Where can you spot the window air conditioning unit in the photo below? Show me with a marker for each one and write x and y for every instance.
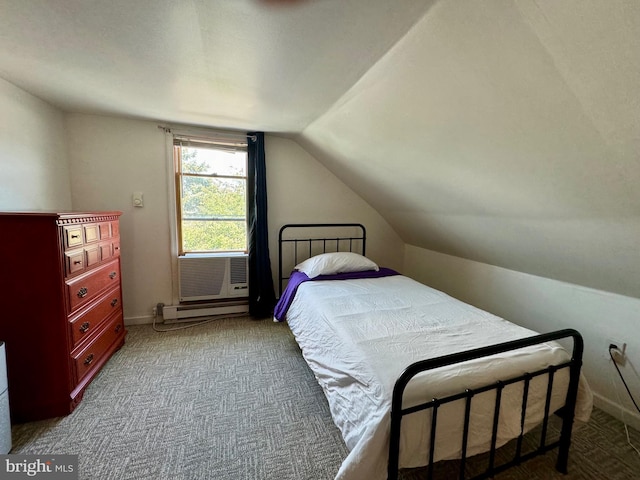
(213, 277)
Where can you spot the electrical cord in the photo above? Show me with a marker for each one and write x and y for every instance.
(181, 327)
(615, 364)
(626, 429)
(195, 323)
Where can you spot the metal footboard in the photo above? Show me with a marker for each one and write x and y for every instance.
(566, 412)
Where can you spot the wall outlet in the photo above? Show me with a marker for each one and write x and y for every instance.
(619, 353)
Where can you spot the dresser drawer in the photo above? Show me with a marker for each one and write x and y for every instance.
(91, 356)
(106, 251)
(92, 255)
(72, 236)
(81, 290)
(105, 230)
(74, 261)
(91, 233)
(85, 323)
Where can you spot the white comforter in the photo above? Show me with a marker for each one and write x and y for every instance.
(359, 335)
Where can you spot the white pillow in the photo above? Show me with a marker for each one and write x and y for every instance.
(335, 262)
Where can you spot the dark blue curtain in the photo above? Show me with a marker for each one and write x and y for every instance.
(262, 296)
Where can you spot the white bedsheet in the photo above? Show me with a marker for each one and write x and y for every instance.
(358, 336)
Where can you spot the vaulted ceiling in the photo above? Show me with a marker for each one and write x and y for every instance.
(502, 131)
(247, 64)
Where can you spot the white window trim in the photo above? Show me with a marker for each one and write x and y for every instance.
(170, 131)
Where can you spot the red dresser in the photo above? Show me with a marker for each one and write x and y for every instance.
(61, 306)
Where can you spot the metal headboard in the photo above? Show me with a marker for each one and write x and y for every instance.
(308, 243)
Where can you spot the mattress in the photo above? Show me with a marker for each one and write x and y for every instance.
(359, 335)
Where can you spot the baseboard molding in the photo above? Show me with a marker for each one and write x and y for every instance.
(190, 312)
(148, 319)
(632, 419)
(141, 320)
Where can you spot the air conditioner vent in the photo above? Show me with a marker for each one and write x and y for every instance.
(212, 278)
(238, 270)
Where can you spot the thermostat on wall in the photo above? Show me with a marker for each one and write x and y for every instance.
(138, 200)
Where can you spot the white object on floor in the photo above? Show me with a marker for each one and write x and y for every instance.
(5, 418)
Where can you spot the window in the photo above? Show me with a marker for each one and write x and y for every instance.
(211, 191)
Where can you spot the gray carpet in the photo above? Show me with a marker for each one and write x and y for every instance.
(234, 399)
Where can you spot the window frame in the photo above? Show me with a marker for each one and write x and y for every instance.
(215, 144)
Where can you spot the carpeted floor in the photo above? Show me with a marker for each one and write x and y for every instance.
(234, 399)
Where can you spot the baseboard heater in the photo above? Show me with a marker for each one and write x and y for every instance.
(190, 313)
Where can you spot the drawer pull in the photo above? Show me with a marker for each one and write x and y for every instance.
(82, 292)
(113, 275)
(77, 262)
(118, 328)
(75, 235)
(84, 327)
(114, 302)
(89, 359)
(116, 248)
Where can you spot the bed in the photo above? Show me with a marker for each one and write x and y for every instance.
(413, 376)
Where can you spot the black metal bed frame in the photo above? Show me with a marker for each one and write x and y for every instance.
(352, 241)
(566, 412)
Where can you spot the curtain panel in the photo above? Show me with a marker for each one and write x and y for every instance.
(262, 296)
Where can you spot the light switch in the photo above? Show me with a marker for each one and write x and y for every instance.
(138, 200)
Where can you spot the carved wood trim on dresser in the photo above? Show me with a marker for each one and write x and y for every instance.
(60, 306)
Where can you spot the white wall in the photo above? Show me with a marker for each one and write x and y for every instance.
(111, 158)
(33, 156)
(53, 161)
(505, 132)
(301, 189)
(545, 305)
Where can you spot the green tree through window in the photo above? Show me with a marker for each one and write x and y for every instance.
(211, 183)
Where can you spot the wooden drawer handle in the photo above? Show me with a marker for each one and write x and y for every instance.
(89, 359)
(113, 275)
(116, 248)
(84, 327)
(75, 235)
(77, 262)
(82, 292)
(114, 302)
(118, 328)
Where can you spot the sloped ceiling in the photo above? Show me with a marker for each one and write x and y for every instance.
(271, 65)
(504, 132)
(501, 131)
